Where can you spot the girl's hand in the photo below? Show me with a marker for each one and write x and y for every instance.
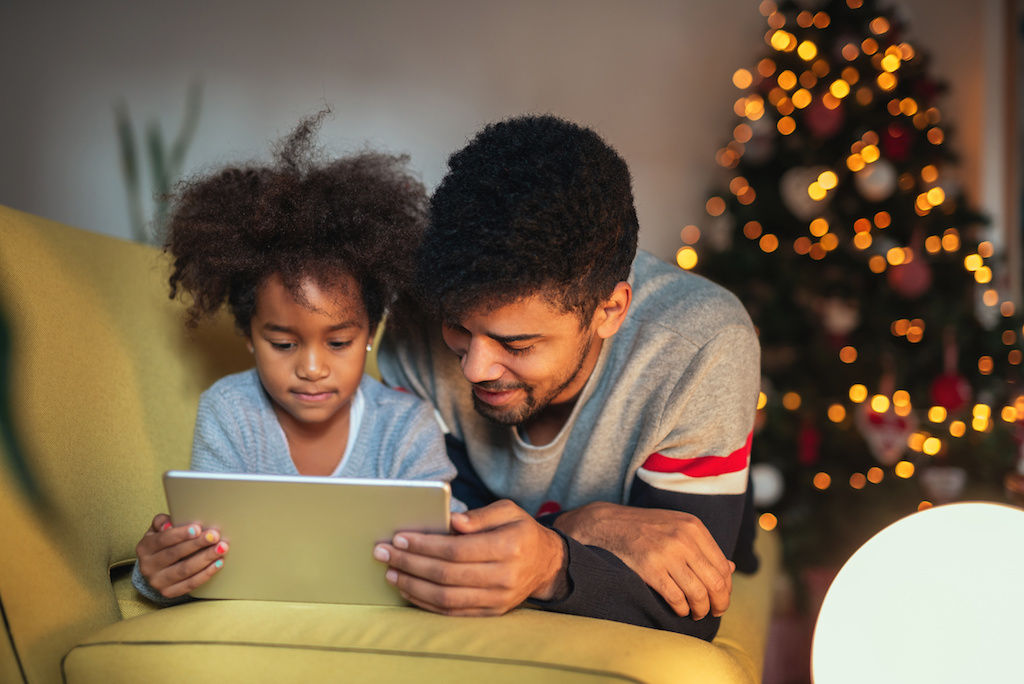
(177, 560)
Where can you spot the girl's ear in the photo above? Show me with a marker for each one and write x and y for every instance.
(248, 344)
(372, 337)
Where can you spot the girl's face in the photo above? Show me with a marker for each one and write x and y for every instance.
(310, 355)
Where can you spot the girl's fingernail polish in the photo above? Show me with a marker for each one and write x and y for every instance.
(192, 531)
(218, 564)
(211, 537)
(221, 548)
(166, 526)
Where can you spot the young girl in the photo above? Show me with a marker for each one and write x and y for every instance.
(307, 256)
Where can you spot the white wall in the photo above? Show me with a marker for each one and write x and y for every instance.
(652, 76)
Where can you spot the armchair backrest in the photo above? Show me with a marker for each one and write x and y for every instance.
(104, 381)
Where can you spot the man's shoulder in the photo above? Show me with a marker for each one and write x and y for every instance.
(668, 300)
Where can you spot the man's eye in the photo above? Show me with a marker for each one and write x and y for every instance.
(519, 351)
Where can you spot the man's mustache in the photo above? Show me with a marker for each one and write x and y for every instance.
(495, 386)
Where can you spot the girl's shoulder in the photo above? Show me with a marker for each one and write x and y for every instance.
(379, 396)
(243, 387)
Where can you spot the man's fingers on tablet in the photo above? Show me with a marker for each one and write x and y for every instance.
(448, 600)
(490, 516)
(428, 567)
(462, 549)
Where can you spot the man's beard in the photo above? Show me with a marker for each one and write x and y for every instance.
(530, 406)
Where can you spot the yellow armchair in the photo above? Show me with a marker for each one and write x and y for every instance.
(104, 382)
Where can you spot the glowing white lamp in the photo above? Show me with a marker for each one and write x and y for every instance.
(935, 597)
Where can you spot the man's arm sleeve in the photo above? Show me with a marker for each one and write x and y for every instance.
(700, 467)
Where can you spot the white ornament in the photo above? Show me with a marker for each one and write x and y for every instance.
(886, 433)
(943, 484)
(876, 181)
(839, 316)
(761, 145)
(793, 187)
(768, 484)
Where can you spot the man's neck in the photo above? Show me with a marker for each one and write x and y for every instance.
(544, 427)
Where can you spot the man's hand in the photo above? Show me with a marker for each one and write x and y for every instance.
(671, 551)
(501, 557)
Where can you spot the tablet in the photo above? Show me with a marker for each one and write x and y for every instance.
(298, 538)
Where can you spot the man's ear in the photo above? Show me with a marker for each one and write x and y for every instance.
(612, 311)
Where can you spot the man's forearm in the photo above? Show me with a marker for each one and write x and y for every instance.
(600, 585)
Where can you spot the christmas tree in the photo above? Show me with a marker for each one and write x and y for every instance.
(891, 361)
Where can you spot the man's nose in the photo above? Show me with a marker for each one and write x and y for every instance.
(479, 364)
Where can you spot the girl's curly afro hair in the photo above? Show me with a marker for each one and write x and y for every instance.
(299, 218)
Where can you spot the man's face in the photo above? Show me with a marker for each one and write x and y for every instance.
(522, 357)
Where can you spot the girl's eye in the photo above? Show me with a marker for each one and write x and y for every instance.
(338, 345)
(282, 346)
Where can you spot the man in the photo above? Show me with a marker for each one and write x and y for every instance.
(606, 393)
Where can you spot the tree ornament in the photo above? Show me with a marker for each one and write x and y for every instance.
(943, 483)
(876, 181)
(822, 121)
(885, 433)
(839, 316)
(761, 145)
(913, 279)
(768, 484)
(793, 187)
(808, 444)
(896, 142)
(950, 390)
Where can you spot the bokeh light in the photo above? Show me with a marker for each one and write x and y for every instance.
(686, 257)
(904, 469)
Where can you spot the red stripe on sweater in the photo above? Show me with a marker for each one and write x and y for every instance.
(702, 466)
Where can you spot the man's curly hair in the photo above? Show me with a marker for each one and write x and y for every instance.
(298, 217)
(532, 205)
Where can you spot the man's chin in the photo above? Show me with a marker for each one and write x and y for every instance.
(503, 415)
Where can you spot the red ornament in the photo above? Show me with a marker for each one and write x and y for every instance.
(912, 280)
(808, 445)
(897, 141)
(822, 121)
(951, 391)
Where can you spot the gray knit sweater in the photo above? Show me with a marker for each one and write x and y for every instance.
(663, 421)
